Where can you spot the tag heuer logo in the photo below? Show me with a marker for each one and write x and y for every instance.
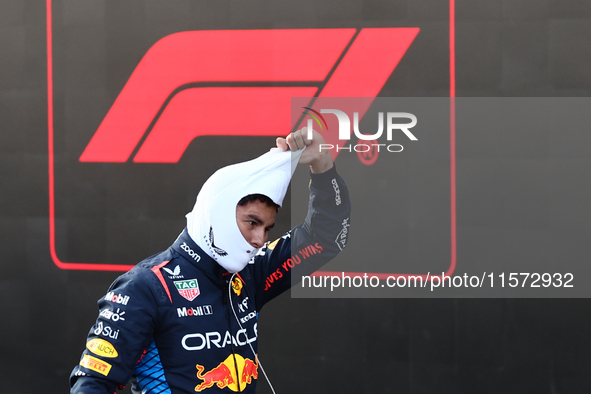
(187, 288)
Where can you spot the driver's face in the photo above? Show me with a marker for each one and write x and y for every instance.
(255, 219)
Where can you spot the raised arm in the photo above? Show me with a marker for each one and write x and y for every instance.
(324, 232)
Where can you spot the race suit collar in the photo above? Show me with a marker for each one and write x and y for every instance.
(187, 248)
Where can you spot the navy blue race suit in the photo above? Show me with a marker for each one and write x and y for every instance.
(179, 323)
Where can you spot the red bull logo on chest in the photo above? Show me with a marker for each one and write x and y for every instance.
(235, 372)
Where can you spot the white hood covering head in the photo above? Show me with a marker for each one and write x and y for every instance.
(212, 222)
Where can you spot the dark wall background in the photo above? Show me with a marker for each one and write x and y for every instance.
(504, 48)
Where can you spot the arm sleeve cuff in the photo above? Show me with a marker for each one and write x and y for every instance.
(323, 181)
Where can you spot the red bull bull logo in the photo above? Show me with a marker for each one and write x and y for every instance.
(249, 371)
(235, 372)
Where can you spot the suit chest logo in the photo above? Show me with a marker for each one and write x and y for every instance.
(189, 289)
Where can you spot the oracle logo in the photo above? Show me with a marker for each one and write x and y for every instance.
(198, 83)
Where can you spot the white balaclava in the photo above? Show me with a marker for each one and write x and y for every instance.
(212, 222)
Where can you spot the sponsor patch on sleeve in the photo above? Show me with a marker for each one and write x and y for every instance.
(95, 364)
(102, 348)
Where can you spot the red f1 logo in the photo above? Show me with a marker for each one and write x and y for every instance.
(236, 83)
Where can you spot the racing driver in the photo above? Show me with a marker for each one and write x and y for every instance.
(185, 320)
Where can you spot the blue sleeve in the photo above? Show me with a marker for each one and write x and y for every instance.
(123, 330)
(308, 246)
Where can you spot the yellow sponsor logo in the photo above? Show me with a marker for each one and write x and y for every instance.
(237, 286)
(102, 348)
(95, 364)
